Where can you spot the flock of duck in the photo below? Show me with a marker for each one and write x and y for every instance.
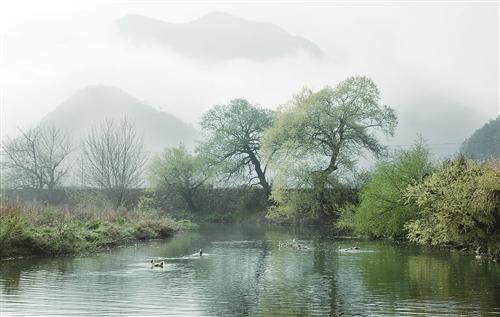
(161, 263)
(292, 244)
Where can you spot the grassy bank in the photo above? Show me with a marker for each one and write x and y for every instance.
(39, 230)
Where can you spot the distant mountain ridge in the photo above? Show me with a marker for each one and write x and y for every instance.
(217, 36)
(484, 143)
(93, 104)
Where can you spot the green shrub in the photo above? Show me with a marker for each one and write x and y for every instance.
(186, 224)
(14, 237)
(384, 209)
(346, 221)
(459, 204)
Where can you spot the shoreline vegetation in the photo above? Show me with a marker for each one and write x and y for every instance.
(294, 165)
(37, 230)
(453, 204)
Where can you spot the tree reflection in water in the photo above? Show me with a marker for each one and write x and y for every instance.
(243, 272)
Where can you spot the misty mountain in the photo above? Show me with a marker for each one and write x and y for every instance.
(217, 36)
(93, 104)
(484, 143)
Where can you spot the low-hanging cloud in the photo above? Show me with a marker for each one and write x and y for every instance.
(436, 65)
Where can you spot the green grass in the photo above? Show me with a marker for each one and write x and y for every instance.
(186, 225)
(38, 230)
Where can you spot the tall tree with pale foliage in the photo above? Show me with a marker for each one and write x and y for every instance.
(317, 133)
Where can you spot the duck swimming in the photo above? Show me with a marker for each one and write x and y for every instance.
(350, 249)
(159, 264)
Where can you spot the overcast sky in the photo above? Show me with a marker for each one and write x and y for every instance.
(435, 63)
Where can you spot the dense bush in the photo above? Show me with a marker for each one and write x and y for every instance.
(458, 204)
(384, 209)
(454, 204)
(305, 205)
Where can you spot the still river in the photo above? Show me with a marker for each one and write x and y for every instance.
(245, 272)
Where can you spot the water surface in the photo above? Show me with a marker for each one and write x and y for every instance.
(244, 272)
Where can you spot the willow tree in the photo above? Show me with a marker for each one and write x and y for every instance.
(317, 133)
(233, 146)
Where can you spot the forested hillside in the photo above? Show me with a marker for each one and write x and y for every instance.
(484, 143)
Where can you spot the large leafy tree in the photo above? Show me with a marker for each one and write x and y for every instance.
(320, 132)
(234, 132)
(178, 172)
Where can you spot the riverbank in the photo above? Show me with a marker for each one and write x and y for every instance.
(43, 231)
(452, 204)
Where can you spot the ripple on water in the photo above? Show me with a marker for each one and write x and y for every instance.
(252, 277)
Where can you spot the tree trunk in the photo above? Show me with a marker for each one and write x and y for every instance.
(189, 201)
(320, 191)
(40, 183)
(320, 180)
(260, 174)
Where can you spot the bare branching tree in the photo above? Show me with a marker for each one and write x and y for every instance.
(114, 158)
(35, 159)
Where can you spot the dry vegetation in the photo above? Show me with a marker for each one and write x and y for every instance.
(43, 230)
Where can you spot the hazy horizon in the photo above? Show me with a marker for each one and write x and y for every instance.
(435, 63)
